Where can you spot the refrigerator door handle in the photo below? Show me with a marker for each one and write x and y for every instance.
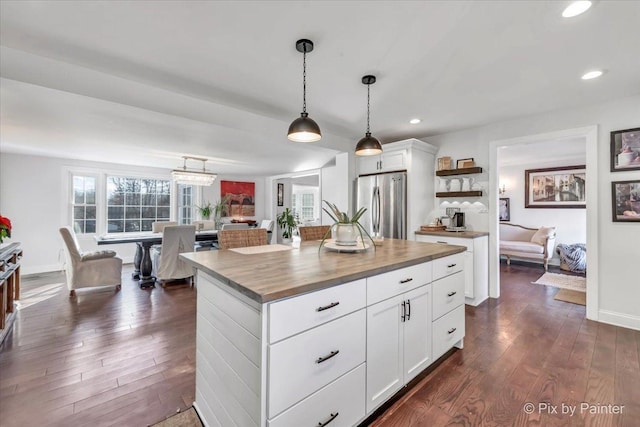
(375, 209)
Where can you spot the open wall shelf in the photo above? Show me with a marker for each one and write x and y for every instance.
(463, 171)
(460, 194)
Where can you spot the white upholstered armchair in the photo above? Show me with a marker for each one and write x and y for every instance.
(89, 269)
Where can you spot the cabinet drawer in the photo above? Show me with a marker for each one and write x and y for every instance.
(293, 315)
(300, 365)
(448, 265)
(387, 285)
(344, 397)
(448, 330)
(448, 293)
(446, 240)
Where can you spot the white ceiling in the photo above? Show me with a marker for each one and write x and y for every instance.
(146, 82)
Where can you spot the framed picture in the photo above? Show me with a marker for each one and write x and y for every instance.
(625, 150)
(240, 198)
(625, 196)
(562, 187)
(465, 163)
(280, 194)
(444, 163)
(504, 211)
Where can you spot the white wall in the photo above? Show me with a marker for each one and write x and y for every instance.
(619, 250)
(571, 224)
(34, 195)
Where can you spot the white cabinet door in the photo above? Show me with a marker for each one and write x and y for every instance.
(469, 269)
(384, 351)
(368, 164)
(393, 160)
(417, 331)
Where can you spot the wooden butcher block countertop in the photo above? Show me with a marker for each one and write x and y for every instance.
(273, 275)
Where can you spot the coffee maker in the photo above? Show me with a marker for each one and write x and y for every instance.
(456, 219)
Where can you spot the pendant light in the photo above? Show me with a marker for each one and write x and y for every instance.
(304, 129)
(187, 177)
(369, 145)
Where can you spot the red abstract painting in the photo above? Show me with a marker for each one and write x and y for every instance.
(240, 198)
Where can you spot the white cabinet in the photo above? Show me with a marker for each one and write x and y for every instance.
(476, 262)
(385, 162)
(398, 343)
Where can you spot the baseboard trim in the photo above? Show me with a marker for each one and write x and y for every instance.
(619, 319)
(40, 269)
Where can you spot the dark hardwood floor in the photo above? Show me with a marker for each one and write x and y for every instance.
(127, 359)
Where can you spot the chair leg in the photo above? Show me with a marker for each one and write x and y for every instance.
(72, 293)
(508, 260)
(118, 287)
(546, 265)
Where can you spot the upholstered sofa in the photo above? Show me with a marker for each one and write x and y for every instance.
(528, 243)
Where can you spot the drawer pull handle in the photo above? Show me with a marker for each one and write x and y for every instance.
(440, 241)
(332, 417)
(451, 265)
(450, 294)
(327, 357)
(327, 307)
(407, 280)
(452, 330)
(404, 311)
(408, 309)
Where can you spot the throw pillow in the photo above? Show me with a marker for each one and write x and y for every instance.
(540, 236)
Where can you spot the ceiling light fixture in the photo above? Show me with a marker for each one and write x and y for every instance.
(369, 145)
(183, 176)
(592, 75)
(414, 121)
(304, 129)
(576, 8)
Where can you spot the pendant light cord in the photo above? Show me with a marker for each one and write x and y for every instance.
(304, 80)
(368, 87)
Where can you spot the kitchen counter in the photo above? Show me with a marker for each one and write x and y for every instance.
(270, 276)
(463, 234)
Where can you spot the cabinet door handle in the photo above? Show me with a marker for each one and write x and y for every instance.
(407, 280)
(440, 241)
(451, 265)
(408, 309)
(327, 357)
(404, 311)
(327, 307)
(332, 417)
(450, 294)
(452, 330)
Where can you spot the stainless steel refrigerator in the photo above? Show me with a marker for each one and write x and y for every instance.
(385, 197)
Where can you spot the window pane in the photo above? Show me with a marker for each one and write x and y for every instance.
(149, 212)
(164, 200)
(115, 227)
(90, 212)
(78, 212)
(90, 226)
(138, 200)
(115, 212)
(132, 212)
(131, 226)
(115, 199)
(90, 190)
(164, 212)
(146, 224)
(78, 196)
(148, 200)
(132, 199)
(78, 226)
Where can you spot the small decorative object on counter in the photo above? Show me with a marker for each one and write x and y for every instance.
(347, 230)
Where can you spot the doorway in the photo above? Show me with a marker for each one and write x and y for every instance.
(588, 136)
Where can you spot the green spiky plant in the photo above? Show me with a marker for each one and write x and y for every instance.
(340, 217)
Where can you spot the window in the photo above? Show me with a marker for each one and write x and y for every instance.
(83, 206)
(133, 204)
(304, 203)
(185, 203)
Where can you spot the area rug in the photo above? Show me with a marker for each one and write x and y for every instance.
(564, 281)
(188, 418)
(574, 297)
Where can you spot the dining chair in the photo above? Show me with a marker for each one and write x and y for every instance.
(89, 269)
(229, 239)
(314, 232)
(158, 226)
(167, 265)
(235, 226)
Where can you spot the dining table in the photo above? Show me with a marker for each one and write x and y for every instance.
(142, 265)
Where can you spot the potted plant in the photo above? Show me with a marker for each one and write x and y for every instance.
(346, 230)
(287, 222)
(205, 210)
(218, 210)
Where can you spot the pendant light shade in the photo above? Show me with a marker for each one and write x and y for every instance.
(304, 129)
(191, 177)
(369, 145)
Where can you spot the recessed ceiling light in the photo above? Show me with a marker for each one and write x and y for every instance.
(592, 75)
(576, 8)
(414, 121)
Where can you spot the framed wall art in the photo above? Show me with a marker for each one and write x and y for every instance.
(504, 210)
(280, 194)
(625, 196)
(562, 187)
(625, 150)
(240, 197)
(465, 163)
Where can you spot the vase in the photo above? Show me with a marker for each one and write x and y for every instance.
(346, 234)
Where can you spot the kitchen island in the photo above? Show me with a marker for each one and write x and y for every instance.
(293, 336)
